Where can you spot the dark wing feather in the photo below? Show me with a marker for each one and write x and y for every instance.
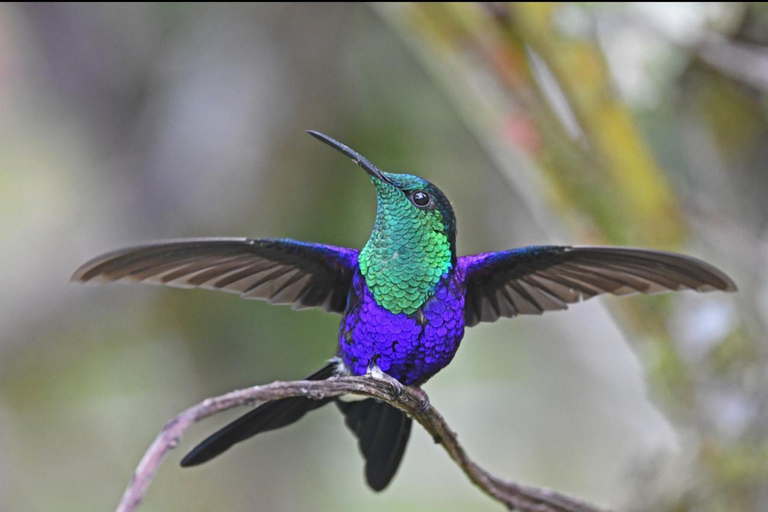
(281, 271)
(535, 279)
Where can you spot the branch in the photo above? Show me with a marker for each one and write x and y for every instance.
(380, 386)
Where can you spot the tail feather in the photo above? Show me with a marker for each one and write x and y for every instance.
(270, 416)
(382, 430)
(383, 433)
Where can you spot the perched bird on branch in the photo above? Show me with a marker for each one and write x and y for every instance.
(405, 298)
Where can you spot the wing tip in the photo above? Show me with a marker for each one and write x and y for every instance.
(730, 284)
(81, 274)
(90, 272)
(76, 277)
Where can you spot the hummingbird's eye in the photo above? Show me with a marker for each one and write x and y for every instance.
(420, 198)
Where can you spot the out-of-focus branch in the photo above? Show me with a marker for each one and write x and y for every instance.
(740, 60)
(411, 400)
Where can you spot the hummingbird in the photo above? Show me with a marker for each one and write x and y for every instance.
(405, 298)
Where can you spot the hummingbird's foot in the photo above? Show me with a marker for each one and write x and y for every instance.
(423, 399)
(397, 388)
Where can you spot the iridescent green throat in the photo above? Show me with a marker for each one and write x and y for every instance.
(408, 253)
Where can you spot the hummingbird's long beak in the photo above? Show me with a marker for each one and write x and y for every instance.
(351, 154)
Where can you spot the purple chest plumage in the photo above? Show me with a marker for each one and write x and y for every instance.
(411, 348)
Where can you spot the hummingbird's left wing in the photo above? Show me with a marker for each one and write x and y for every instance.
(532, 280)
(282, 271)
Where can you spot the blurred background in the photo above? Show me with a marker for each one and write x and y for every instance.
(640, 125)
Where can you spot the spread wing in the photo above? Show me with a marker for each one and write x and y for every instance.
(281, 271)
(531, 280)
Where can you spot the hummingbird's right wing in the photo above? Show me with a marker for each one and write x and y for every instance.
(282, 271)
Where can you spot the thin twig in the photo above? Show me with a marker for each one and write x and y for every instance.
(411, 400)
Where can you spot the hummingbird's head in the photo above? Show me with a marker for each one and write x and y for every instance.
(413, 243)
(404, 200)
